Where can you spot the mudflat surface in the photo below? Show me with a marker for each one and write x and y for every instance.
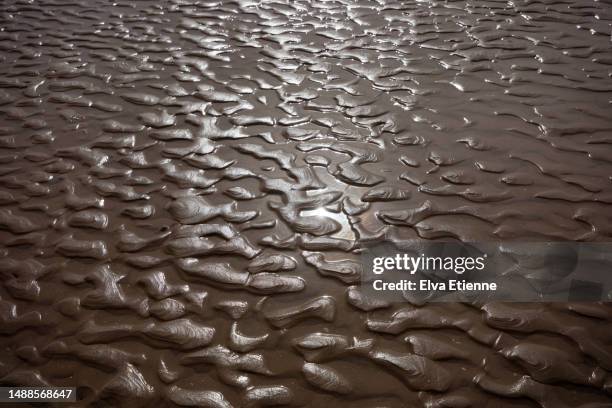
(185, 187)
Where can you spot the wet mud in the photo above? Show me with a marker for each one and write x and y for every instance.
(185, 188)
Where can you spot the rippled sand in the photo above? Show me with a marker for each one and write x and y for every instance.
(185, 187)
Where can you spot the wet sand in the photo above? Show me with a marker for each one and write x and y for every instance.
(185, 189)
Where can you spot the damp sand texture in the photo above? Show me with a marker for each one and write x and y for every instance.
(185, 187)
